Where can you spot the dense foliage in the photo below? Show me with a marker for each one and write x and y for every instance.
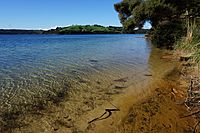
(167, 17)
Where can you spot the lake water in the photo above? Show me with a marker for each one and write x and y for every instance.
(34, 67)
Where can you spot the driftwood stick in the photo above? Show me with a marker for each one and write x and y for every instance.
(114, 106)
(194, 113)
(109, 111)
(195, 128)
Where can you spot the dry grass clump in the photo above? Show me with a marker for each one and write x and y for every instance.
(190, 44)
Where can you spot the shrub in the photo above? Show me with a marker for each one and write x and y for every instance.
(166, 34)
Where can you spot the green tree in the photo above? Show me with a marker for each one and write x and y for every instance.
(166, 17)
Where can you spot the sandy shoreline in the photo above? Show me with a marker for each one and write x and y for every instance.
(159, 110)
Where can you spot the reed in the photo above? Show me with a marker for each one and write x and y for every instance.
(190, 44)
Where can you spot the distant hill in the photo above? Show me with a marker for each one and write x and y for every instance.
(85, 29)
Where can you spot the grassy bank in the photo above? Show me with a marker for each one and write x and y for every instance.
(189, 45)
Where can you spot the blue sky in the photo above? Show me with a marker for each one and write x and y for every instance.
(44, 14)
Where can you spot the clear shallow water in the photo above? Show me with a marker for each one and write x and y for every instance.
(38, 66)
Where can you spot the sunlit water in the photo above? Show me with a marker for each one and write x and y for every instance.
(38, 66)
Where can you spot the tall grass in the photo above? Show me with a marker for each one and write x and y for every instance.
(190, 44)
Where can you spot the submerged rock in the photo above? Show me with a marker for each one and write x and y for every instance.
(94, 61)
(122, 79)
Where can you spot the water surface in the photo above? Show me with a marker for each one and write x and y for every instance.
(38, 66)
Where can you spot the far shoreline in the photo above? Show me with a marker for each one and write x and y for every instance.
(74, 30)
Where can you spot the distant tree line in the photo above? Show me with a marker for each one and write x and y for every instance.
(14, 31)
(78, 29)
(167, 17)
(85, 29)
(94, 29)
